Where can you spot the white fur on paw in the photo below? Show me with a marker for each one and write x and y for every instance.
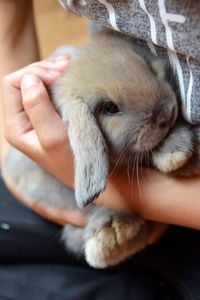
(170, 162)
(113, 244)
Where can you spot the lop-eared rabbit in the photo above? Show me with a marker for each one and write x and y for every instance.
(119, 105)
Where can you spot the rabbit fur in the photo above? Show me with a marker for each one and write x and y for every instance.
(118, 102)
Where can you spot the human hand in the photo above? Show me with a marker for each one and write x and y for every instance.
(33, 127)
(31, 123)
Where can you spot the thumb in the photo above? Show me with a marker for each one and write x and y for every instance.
(43, 116)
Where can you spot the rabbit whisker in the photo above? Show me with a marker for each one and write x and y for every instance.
(124, 152)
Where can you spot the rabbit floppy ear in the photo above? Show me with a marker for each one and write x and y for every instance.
(90, 153)
(159, 67)
(163, 70)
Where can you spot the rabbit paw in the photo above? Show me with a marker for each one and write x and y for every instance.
(115, 242)
(169, 162)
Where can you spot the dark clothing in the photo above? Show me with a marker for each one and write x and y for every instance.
(34, 265)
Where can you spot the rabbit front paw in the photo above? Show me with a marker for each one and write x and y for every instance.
(176, 150)
(170, 162)
(116, 241)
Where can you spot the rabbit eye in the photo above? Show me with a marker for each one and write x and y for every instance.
(110, 108)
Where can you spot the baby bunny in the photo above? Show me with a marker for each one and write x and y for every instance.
(117, 104)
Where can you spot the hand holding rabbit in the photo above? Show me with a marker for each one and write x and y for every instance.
(25, 103)
(11, 90)
(144, 108)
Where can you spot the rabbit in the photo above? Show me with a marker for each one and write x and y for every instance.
(116, 103)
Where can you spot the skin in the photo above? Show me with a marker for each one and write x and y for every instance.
(17, 30)
(160, 198)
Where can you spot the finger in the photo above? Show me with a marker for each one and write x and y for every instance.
(63, 57)
(12, 104)
(57, 63)
(44, 119)
(46, 70)
(16, 121)
(11, 86)
(156, 232)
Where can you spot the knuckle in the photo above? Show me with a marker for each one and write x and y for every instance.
(32, 65)
(36, 65)
(53, 142)
(39, 63)
(48, 142)
(10, 134)
(6, 80)
(32, 99)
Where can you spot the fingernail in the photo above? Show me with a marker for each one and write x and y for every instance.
(29, 80)
(62, 63)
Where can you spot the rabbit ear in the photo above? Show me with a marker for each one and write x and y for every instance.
(163, 70)
(159, 67)
(90, 153)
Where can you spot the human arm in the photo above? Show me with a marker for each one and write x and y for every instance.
(44, 158)
(33, 126)
(18, 41)
(160, 198)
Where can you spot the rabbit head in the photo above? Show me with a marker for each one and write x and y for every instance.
(114, 104)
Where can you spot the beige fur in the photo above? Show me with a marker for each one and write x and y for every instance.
(110, 69)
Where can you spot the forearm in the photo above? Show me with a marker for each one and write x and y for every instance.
(17, 34)
(157, 197)
(18, 42)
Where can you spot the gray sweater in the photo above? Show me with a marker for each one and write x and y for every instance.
(169, 27)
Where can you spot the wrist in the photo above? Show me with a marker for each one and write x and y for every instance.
(122, 194)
